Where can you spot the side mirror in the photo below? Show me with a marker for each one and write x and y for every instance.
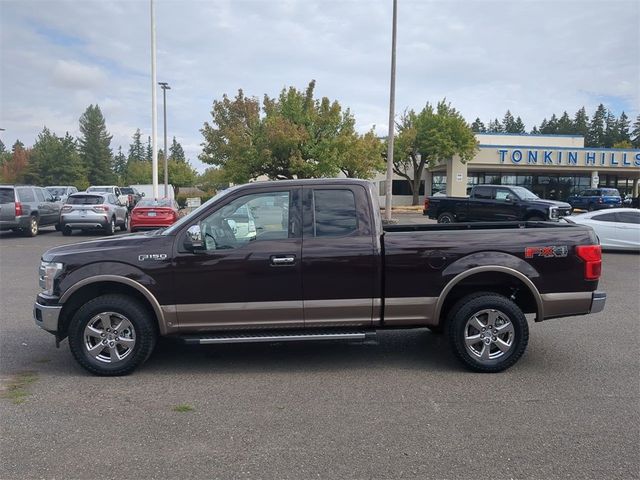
(193, 239)
(142, 194)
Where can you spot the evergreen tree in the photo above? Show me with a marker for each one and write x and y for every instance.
(596, 133)
(622, 129)
(120, 165)
(149, 151)
(495, 126)
(610, 130)
(519, 126)
(535, 131)
(136, 149)
(55, 161)
(176, 153)
(5, 156)
(550, 127)
(581, 123)
(565, 125)
(508, 123)
(635, 133)
(94, 146)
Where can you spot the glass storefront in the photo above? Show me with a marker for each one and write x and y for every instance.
(550, 186)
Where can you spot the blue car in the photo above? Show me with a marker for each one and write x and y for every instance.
(596, 199)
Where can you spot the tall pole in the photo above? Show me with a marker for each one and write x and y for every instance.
(165, 86)
(154, 107)
(392, 115)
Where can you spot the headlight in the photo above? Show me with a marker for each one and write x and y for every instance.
(553, 212)
(47, 274)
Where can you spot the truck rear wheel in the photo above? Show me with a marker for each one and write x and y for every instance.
(446, 217)
(112, 335)
(487, 332)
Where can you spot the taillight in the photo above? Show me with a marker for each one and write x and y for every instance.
(600, 200)
(426, 204)
(18, 209)
(592, 257)
(67, 208)
(100, 209)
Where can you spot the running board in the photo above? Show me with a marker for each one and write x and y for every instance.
(250, 337)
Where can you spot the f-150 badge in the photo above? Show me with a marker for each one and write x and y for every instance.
(546, 252)
(152, 256)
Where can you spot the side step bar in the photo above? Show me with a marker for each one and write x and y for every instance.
(251, 337)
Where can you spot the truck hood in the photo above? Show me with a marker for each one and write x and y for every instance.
(551, 203)
(114, 248)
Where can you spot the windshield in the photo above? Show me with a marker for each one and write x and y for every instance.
(161, 202)
(524, 194)
(98, 189)
(610, 192)
(57, 191)
(188, 218)
(85, 200)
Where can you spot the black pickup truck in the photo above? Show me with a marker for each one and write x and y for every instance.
(311, 260)
(491, 203)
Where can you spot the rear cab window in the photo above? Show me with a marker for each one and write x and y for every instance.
(334, 213)
(482, 193)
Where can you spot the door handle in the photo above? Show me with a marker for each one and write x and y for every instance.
(283, 260)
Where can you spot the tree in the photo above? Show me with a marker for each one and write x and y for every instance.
(596, 133)
(297, 136)
(622, 129)
(535, 131)
(55, 161)
(508, 123)
(136, 149)
(565, 125)
(149, 151)
(212, 180)
(176, 153)
(362, 155)
(181, 174)
(624, 144)
(433, 135)
(581, 123)
(94, 146)
(5, 156)
(138, 172)
(478, 127)
(549, 127)
(635, 133)
(495, 126)
(120, 165)
(15, 167)
(519, 126)
(610, 130)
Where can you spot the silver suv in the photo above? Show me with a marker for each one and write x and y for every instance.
(25, 208)
(93, 211)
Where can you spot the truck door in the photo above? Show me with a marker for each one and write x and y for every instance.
(339, 261)
(249, 274)
(506, 205)
(481, 204)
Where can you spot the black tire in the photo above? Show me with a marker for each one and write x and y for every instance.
(33, 228)
(436, 329)
(536, 218)
(110, 228)
(446, 217)
(125, 226)
(141, 328)
(591, 207)
(66, 231)
(507, 317)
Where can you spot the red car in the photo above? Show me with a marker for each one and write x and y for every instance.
(151, 214)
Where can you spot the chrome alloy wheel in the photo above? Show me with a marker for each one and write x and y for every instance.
(489, 335)
(109, 337)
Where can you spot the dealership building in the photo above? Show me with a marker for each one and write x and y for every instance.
(552, 166)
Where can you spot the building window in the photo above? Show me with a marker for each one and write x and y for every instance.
(402, 187)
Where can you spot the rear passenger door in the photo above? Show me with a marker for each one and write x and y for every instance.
(340, 267)
(481, 206)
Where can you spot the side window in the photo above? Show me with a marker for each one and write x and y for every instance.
(39, 194)
(113, 200)
(255, 217)
(334, 213)
(47, 195)
(117, 192)
(26, 195)
(629, 217)
(605, 217)
(483, 193)
(502, 193)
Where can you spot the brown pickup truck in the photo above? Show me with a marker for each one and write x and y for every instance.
(311, 260)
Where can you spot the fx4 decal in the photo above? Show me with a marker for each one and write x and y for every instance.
(546, 252)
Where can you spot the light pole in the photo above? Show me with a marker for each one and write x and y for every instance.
(154, 107)
(392, 108)
(165, 86)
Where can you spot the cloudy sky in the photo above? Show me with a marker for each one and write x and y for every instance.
(532, 57)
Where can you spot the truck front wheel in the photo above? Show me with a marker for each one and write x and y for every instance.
(446, 217)
(487, 332)
(112, 335)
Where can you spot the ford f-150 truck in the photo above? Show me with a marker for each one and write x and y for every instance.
(490, 203)
(314, 262)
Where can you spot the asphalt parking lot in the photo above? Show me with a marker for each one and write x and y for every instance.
(403, 408)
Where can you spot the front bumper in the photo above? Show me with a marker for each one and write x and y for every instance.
(46, 317)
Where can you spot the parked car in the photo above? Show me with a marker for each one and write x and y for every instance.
(93, 211)
(329, 271)
(596, 199)
(60, 193)
(134, 195)
(153, 214)
(112, 189)
(617, 228)
(25, 208)
(490, 203)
